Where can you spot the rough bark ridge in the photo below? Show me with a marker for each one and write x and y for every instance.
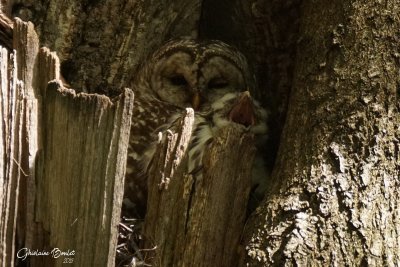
(102, 43)
(336, 179)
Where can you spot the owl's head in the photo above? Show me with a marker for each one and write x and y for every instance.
(191, 73)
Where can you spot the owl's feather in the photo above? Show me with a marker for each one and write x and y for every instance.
(210, 75)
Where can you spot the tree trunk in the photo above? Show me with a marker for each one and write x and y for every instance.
(332, 197)
(334, 200)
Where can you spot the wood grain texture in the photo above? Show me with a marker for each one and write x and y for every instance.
(63, 158)
(11, 165)
(19, 110)
(84, 158)
(198, 220)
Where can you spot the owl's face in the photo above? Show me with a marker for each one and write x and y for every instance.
(194, 74)
(208, 76)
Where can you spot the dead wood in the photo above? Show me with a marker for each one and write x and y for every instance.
(84, 159)
(63, 158)
(6, 31)
(196, 220)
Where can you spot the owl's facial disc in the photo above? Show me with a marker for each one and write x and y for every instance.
(174, 79)
(219, 76)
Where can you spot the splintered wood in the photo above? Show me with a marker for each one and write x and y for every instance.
(63, 159)
(197, 220)
(6, 31)
(19, 109)
(12, 166)
(84, 159)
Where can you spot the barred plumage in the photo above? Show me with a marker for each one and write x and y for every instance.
(209, 76)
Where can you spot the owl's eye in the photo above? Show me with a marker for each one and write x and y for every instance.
(217, 83)
(178, 80)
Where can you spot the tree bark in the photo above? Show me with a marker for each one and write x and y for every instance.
(101, 44)
(332, 196)
(335, 181)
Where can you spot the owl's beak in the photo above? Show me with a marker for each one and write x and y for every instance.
(196, 100)
(243, 110)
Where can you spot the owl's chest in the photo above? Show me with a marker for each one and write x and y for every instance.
(148, 116)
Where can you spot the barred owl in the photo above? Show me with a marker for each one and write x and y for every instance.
(210, 77)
